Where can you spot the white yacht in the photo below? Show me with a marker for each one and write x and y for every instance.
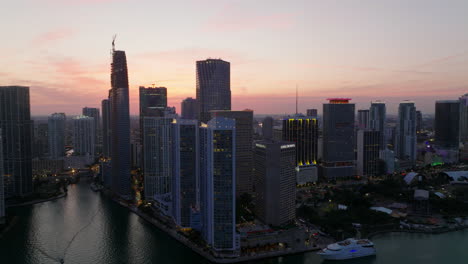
(348, 249)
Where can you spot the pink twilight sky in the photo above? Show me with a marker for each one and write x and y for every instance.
(367, 50)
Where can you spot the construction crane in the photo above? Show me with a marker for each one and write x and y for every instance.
(113, 42)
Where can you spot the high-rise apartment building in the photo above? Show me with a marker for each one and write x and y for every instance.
(120, 125)
(56, 135)
(185, 146)
(157, 157)
(338, 138)
(363, 119)
(2, 188)
(464, 118)
(378, 120)
(419, 122)
(106, 127)
(16, 125)
(405, 144)
(368, 151)
(217, 184)
(244, 154)
(213, 87)
(41, 140)
(189, 108)
(94, 113)
(275, 186)
(447, 123)
(84, 136)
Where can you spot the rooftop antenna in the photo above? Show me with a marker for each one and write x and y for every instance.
(113, 42)
(296, 100)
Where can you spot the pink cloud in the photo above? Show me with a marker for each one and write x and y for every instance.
(54, 35)
(234, 17)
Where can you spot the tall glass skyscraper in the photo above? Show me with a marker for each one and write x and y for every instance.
(153, 101)
(185, 145)
(464, 118)
(217, 187)
(157, 165)
(16, 125)
(378, 119)
(2, 189)
(56, 134)
(363, 119)
(244, 153)
(94, 113)
(447, 123)
(338, 138)
(106, 128)
(120, 125)
(84, 136)
(213, 87)
(405, 144)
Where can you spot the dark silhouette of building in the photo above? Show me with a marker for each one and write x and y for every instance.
(153, 101)
(213, 87)
(106, 127)
(363, 119)
(120, 125)
(94, 113)
(312, 113)
(419, 122)
(405, 143)
(16, 126)
(378, 120)
(189, 108)
(267, 127)
(447, 123)
(275, 185)
(368, 148)
(338, 138)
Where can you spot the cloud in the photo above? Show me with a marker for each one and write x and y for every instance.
(235, 18)
(366, 69)
(54, 36)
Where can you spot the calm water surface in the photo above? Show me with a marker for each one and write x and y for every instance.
(86, 227)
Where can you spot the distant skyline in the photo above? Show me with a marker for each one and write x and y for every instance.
(366, 50)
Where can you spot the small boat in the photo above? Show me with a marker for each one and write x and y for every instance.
(348, 249)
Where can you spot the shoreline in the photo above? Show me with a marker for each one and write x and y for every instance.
(37, 201)
(431, 232)
(206, 254)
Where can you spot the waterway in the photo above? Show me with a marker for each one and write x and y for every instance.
(87, 227)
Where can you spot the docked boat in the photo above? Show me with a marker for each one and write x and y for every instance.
(348, 249)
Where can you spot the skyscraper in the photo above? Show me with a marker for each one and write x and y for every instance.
(363, 119)
(338, 138)
(312, 113)
(94, 113)
(244, 154)
(419, 122)
(41, 140)
(84, 136)
(464, 118)
(120, 125)
(189, 108)
(447, 123)
(157, 165)
(303, 131)
(267, 127)
(406, 132)
(185, 197)
(213, 87)
(217, 183)
(368, 150)
(2, 189)
(378, 120)
(153, 101)
(106, 128)
(275, 174)
(56, 134)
